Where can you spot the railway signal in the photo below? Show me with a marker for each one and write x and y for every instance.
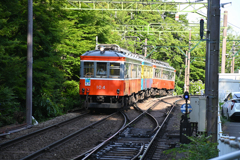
(186, 96)
(185, 126)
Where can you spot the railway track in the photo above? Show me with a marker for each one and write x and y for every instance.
(37, 143)
(134, 140)
(131, 141)
(39, 132)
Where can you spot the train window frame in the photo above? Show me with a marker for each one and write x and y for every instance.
(114, 68)
(89, 74)
(102, 71)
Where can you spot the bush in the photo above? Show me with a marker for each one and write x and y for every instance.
(196, 87)
(45, 107)
(198, 149)
(9, 107)
(71, 95)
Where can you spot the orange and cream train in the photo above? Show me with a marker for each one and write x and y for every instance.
(112, 77)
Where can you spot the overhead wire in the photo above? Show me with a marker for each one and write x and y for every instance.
(201, 12)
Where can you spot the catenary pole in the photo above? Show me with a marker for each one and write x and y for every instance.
(213, 66)
(188, 62)
(207, 62)
(185, 83)
(145, 53)
(233, 58)
(224, 41)
(29, 64)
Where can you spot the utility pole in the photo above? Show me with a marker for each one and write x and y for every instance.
(188, 63)
(29, 64)
(212, 65)
(185, 83)
(233, 58)
(145, 53)
(224, 41)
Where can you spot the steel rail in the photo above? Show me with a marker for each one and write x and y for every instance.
(63, 140)
(104, 142)
(160, 127)
(135, 119)
(87, 155)
(28, 136)
(140, 151)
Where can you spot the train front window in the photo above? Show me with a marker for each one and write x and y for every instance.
(101, 70)
(114, 70)
(88, 69)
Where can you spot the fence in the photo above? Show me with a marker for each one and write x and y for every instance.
(229, 146)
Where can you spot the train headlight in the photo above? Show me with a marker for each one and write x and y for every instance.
(118, 91)
(102, 49)
(83, 90)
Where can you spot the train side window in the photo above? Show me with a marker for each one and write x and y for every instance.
(145, 71)
(165, 74)
(114, 70)
(173, 76)
(101, 70)
(161, 73)
(157, 73)
(88, 69)
(126, 69)
(139, 71)
(134, 71)
(151, 72)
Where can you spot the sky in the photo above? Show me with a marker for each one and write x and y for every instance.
(233, 13)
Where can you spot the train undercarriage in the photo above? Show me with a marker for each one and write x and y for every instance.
(94, 101)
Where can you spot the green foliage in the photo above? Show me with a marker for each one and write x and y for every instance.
(9, 106)
(71, 95)
(198, 149)
(196, 87)
(62, 36)
(45, 106)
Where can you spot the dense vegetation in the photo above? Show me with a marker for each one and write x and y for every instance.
(61, 36)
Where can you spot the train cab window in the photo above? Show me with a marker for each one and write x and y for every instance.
(88, 69)
(114, 70)
(101, 70)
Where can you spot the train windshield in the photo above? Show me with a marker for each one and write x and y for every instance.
(101, 69)
(88, 69)
(114, 70)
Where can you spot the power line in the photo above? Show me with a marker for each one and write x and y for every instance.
(201, 12)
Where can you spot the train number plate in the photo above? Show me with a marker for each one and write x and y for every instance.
(88, 82)
(100, 87)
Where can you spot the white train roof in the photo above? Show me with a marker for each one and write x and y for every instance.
(113, 50)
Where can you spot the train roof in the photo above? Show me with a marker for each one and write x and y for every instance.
(113, 50)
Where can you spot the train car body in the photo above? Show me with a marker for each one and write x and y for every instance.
(112, 77)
